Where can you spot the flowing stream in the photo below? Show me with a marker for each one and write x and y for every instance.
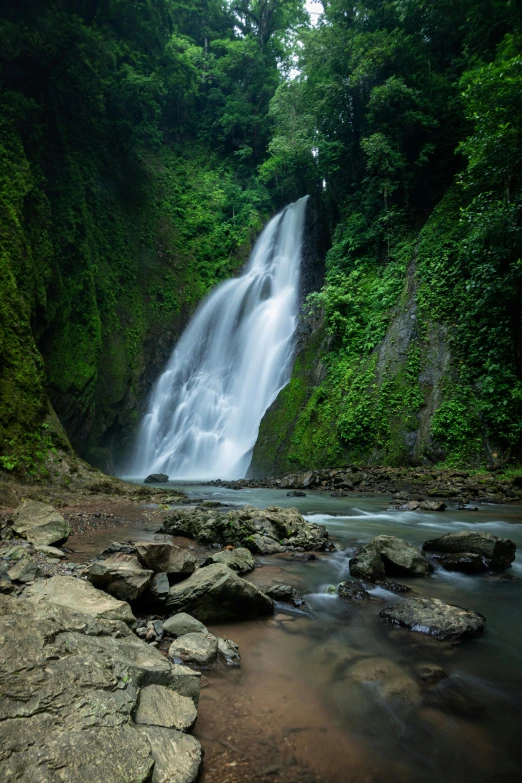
(229, 365)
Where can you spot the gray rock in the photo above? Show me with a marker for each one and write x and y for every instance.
(467, 562)
(68, 690)
(120, 575)
(352, 591)
(156, 478)
(388, 556)
(177, 756)
(228, 652)
(40, 523)
(239, 559)
(24, 570)
(432, 505)
(166, 557)
(499, 551)
(284, 593)
(262, 531)
(295, 493)
(79, 596)
(199, 649)
(51, 551)
(216, 593)
(159, 587)
(436, 618)
(183, 623)
(160, 706)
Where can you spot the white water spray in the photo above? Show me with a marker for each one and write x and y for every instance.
(229, 365)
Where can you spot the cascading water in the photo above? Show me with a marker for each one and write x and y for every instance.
(229, 365)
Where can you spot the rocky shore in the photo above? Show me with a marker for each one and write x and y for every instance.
(417, 484)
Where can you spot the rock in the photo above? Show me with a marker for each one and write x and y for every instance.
(454, 698)
(432, 505)
(181, 624)
(160, 706)
(159, 588)
(352, 591)
(436, 618)
(263, 531)
(388, 556)
(394, 587)
(24, 570)
(120, 575)
(40, 523)
(430, 673)
(304, 557)
(500, 552)
(6, 586)
(51, 551)
(79, 596)
(166, 557)
(393, 683)
(216, 593)
(467, 562)
(177, 756)
(296, 493)
(239, 560)
(68, 690)
(284, 593)
(196, 648)
(156, 478)
(411, 505)
(228, 652)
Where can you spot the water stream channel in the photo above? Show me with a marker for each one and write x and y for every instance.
(331, 695)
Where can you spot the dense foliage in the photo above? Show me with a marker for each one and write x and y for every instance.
(143, 143)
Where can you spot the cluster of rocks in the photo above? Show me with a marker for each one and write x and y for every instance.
(262, 531)
(417, 484)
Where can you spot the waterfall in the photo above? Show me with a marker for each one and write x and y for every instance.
(229, 365)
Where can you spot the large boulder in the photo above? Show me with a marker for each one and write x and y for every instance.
(388, 556)
(194, 648)
(500, 552)
(467, 562)
(79, 596)
(263, 531)
(121, 575)
(156, 478)
(434, 617)
(239, 559)
(216, 593)
(162, 556)
(70, 685)
(40, 523)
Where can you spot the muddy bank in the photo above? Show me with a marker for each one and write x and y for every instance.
(462, 487)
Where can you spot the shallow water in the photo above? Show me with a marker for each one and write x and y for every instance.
(305, 704)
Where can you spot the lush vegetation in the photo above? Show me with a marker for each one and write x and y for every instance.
(143, 143)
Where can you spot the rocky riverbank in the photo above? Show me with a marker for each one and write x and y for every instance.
(405, 484)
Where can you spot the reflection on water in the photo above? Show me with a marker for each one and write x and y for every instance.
(333, 696)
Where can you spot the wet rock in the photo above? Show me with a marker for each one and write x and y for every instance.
(450, 696)
(264, 531)
(217, 593)
(156, 478)
(304, 557)
(159, 588)
(238, 559)
(120, 575)
(432, 505)
(160, 706)
(181, 624)
(430, 673)
(388, 556)
(167, 558)
(228, 652)
(394, 587)
(284, 593)
(467, 562)
(117, 546)
(199, 649)
(411, 505)
(40, 523)
(177, 756)
(352, 591)
(296, 493)
(500, 552)
(79, 596)
(69, 684)
(394, 684)
(434, 617)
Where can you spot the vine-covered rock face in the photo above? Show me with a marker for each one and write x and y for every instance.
(263, 531)
(389, 556)
(498, 552)
(436, 618)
